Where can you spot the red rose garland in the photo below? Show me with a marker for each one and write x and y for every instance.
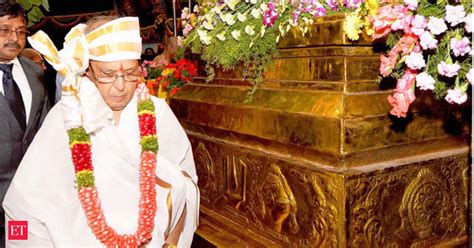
(80, 146)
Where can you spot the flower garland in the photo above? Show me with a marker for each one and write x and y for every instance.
(80, 145)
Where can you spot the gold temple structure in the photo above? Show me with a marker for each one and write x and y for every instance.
(315, 159)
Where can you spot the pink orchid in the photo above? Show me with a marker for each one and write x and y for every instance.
(404, 94)
(386, 16)
(388, 63)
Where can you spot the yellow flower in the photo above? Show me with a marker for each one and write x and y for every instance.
(352, 26)
(372, 6)
(167, 71)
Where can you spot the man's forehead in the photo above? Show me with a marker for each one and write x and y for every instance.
(117, 65)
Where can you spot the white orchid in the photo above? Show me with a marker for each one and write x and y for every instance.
(241, 17)
(236, 34)
(208, 25)
(253, 1)
(229, 19)
(255, 13)
(263, 7)
(204, 37)
(250, 30)
(232, 4)
(262, 31)
(221, 36)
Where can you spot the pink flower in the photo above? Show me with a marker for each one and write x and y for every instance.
(319, 10)
(387, 15)
(407, 43)
(270, 16)
(352, 4)
(411, 4)
(460, 47)
(469, 76)
(387, 63)
(448, 70)
(427, 41)
(333, 4)
(436, 25)
(418, 25)
(454, 14)
(404, 94)
(188, 28)
(424, 81)
(403, 23)
(456, 96)
(415, 61)
(468, 21)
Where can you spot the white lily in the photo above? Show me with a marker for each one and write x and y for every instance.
(241, 17)
(205, 39)
(262, 31)
(229, 19)
(232, 4)
(255, 13)
(263, 7)
(253, 1)
(221, 36)
(249, 30)
(208, 25)
(236, 34)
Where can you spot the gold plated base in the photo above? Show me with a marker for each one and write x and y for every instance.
(315, 160)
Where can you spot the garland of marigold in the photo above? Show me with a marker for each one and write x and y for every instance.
(80, 145)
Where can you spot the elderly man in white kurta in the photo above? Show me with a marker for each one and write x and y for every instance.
(49, 190)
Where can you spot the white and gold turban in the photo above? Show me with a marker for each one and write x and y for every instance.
(116, 40)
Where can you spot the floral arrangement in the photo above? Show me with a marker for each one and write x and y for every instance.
(80, 145)
(430, 49)
(231, 32)
(166, 80)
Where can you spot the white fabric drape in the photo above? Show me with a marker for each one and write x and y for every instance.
(43, 190)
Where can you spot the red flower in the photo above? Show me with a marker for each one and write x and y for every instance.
(174, 91)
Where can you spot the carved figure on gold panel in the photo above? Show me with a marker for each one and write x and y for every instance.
(277, 202)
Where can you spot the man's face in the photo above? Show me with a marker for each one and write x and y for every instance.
(11, 43)
(116, 81)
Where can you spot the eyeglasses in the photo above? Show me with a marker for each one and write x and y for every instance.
(110, 78)
(5, 32)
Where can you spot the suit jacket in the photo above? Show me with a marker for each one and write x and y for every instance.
(13, 140)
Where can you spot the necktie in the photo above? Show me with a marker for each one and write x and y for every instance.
(12, 93)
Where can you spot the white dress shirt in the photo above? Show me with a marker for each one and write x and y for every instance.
(22, 82)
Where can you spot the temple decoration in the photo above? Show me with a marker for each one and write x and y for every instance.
(428, 41)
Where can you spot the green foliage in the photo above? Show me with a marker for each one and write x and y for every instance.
(146, 105)
(78, 134)
(149, 144)
(425, 8)
(393, 38)
(33, 9)
(85, 178)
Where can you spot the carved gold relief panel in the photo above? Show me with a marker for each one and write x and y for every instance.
(417, 206)
(274, 198)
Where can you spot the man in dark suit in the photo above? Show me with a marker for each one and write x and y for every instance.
(23, 99)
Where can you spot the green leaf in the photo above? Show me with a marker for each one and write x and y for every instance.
(78, 134)
(35, 2)
(26, 5)
(37, 12)
(85, 179)
(46, 5)
(146, 105)
(149, 144)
